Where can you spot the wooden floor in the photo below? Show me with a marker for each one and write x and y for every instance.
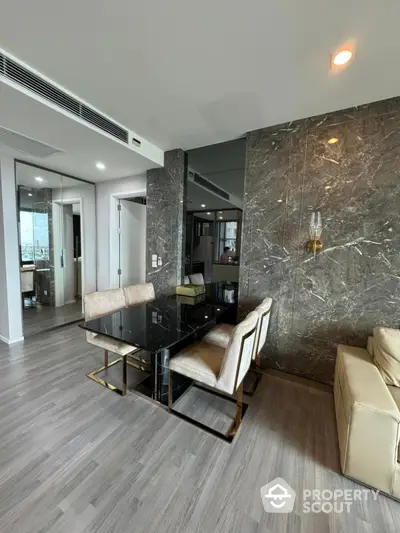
(43, 318)
(75, 457)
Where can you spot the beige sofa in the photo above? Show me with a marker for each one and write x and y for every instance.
(368, 421)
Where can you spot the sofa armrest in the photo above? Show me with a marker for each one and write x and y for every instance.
(370, 417)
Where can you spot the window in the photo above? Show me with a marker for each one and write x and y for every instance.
(226, 234)
(34, 236)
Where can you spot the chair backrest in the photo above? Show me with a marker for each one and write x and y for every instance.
(136, 294)
(196, 279)
(103, 302)
(238, 354)
(186, 280)
(264, 313)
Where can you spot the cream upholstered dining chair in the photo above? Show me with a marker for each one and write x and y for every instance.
(186, 280)
(222, 369)
(220, 335)
(98, 304)
(196, 279)
(136, 294)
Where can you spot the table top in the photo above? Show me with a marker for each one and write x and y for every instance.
(165, 321)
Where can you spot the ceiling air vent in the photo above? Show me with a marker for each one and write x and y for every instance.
(22, 143)
(208, 185)
(20, 75)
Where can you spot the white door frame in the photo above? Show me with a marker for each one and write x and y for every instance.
(59, 288)
(114, 250)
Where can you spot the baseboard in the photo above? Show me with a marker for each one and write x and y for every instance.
(298, 379)
(70, 302)
(7, 341)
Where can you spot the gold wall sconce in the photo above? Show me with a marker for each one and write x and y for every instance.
(314, 244)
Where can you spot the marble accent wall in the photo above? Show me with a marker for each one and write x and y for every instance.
(166, 201)
(353, 284)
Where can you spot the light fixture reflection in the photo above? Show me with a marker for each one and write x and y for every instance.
(333, 140)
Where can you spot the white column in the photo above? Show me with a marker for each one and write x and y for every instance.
(10, 290)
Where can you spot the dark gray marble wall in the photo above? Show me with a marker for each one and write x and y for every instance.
(353, 284)
(166, 201)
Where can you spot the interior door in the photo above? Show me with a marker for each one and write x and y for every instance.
(132, 243)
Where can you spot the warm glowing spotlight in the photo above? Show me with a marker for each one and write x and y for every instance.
(342, 57)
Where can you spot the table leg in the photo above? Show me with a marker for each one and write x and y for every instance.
(124, 374)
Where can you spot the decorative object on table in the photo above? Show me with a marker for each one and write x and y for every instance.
(314, 244)
(190, 300)
(190, 290)
(229, 293)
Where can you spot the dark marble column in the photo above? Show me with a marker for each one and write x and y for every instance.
(353, 284)
(166, 201)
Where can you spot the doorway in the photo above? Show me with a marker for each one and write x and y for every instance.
(128, 241)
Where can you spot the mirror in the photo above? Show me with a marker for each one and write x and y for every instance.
(215, 188)
(56, 218)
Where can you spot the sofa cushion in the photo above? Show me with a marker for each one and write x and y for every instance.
(387, 354)
(395, 392)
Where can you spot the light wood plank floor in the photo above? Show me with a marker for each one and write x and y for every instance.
(43, 317)
(75, 457)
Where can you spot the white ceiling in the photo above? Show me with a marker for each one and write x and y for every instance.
(187, 74)
(81, 146)
(25, 175)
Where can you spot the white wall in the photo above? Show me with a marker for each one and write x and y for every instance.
(87, 194)
(105, 194)
(10, 290)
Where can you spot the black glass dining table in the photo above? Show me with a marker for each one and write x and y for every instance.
(161, 328)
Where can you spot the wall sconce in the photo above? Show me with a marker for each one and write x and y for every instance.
(315, 230)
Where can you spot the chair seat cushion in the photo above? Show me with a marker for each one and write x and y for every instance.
(387, 354)
(112, 345)
(220, 335)
(200, 361)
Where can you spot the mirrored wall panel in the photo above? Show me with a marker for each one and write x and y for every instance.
(214, 211)
(56, 218)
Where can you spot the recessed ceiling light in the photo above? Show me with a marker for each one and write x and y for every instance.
(203, 205)
(221, 218)
(279, 201)
(38, 178)
(342, 57)
(208, 213)
(100, 165)
(30, 194)
(333, 140)
(219, 211)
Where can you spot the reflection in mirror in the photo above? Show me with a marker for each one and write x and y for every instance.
(214, 211)
(51, 233)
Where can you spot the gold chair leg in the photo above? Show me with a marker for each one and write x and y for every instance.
(239, 412)
(169, 390)
(124, 374)
(106, 358)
